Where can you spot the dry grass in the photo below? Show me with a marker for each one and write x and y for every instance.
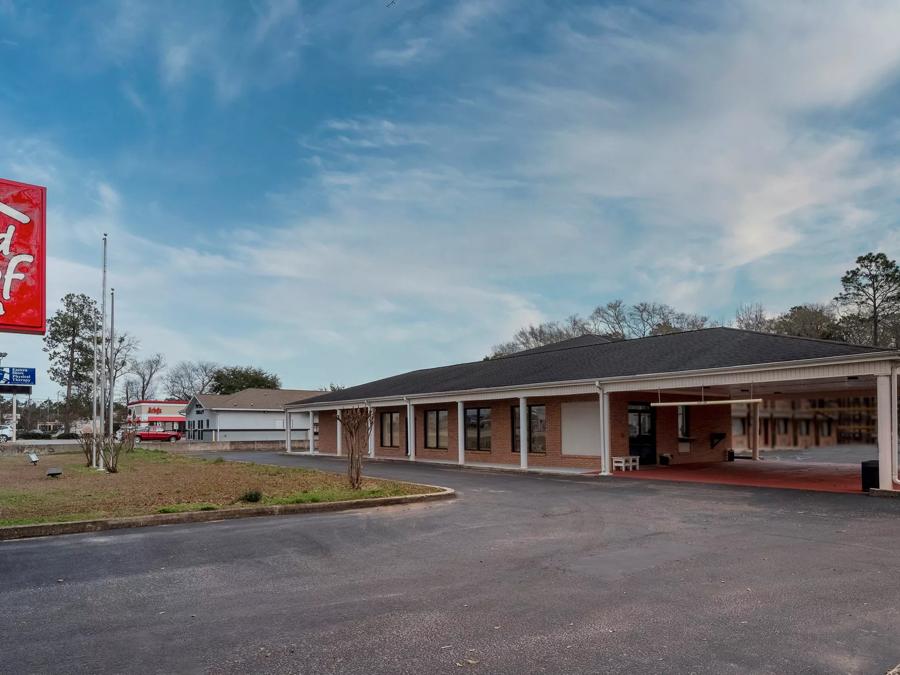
(151, 481)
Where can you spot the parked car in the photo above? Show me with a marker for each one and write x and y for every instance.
(6, 432)
(156, 435)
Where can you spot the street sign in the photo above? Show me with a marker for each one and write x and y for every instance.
(22, 389)
(13, 375)
(23, 233)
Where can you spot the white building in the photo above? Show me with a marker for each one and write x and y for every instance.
(248, 415)
(157, 413)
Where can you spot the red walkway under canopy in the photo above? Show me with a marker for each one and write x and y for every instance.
(780, 474)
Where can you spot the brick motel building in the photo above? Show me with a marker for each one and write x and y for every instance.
(590, 404)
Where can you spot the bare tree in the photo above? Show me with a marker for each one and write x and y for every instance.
(122, 351)
(615, 320)
(752, 316)
(611, 320)
(355, 424)
(131, 390)
(190, 377)
(145, 372)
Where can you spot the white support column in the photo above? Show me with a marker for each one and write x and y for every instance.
(604, 457)
(339, 426)
(410, 431)
(604, 429)
(372, 434)
(523, 432)
(312, 432)
(461, 432)
(885, 433)
(894, 431)
(287, 430)
(15, 423)
(754, 430)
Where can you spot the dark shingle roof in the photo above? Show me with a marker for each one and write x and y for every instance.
(580, 341)
(672, 353)
(260, 399)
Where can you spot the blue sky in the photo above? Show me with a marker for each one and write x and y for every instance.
(339, 191)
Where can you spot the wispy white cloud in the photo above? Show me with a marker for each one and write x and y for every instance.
(711, 157)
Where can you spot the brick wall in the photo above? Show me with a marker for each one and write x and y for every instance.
(384, 451)
(451, 452)
(704, 421)
(327, 439)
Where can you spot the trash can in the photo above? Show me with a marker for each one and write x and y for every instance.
(869, 474)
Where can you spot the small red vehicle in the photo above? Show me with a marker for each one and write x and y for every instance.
(147, 434)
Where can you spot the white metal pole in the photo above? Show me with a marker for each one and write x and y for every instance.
(14, 422)
(885, 437)
(287, 430)
(754, 430)
(523, 432)
(410, 430)
(371, 434)
(604, 459)
(112, 356)
(340, 433)
(607, 436)
(461, 432)
(103, 345)
(94, 394)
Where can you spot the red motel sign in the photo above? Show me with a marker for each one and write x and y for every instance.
(23, 234)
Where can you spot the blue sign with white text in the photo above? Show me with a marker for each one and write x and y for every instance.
(15, 375)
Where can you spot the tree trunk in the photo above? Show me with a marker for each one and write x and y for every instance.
(67, 415)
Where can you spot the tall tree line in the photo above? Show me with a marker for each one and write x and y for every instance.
(866, 311)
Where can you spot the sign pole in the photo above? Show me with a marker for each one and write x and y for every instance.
(103, 344)
(14, 422)
(112, 357)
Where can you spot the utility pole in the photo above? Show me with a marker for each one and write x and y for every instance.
(103, 343)
(112, 357)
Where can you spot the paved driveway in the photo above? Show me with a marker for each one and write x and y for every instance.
(519, 574)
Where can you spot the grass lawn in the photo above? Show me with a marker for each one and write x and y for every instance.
(154, 481)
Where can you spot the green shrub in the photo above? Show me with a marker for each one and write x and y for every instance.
(251, 496)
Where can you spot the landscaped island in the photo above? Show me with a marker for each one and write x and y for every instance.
(156, 482)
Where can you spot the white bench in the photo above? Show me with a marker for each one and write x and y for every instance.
(626, 463)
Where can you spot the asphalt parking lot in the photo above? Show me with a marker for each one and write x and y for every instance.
(519, 574)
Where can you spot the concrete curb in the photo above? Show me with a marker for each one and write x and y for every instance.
(78, 526)
(516, 471)
(877, 492)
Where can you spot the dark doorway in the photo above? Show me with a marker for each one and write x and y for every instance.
(642, 432)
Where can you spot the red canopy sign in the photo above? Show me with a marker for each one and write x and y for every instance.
(23, 231)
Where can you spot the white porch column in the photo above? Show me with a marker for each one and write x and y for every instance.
(287, 430)
(886, 448)
(604, 457)
(523, 432)
(604, 429)
(410, 431)
(340, 433)
(461, 432)
(372, 434)
(754, 430)
(312, 432)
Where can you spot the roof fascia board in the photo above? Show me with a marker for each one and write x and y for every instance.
(278, 410)
(798, 370)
